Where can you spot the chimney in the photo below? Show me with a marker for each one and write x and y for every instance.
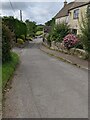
(65, 3)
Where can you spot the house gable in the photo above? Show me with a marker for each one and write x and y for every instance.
(64, 11)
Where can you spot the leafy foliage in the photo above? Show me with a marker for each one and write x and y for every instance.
(85, 30)
(39, 28)
(20, 41)
(10, 22)
(79, 45)
(58, 32)
(29, 38)
(6, 43)
(31, 28)
(8, 68)
(49, 39)
(18, 27)
(22, 37)
(50, 22)
(39, 33)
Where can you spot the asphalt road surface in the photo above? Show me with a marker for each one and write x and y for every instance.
(44, 87)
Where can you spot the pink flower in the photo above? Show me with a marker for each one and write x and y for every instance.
(70, 40)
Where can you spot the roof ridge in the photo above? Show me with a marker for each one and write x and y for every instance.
(78, 4)
(64, 10)
(71, 5)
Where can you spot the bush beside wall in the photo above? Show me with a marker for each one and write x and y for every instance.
(6, 43)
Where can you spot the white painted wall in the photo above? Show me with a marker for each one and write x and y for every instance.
(62, 19)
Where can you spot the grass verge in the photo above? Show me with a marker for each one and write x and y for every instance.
(8, 68)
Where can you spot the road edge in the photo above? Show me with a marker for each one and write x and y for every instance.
(63, 59)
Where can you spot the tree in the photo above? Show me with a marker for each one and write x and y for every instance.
(20, 28)
(39, 27)
(9, 21)
(16, 26)
(59, 31)
(85, 30)
(31, 28)
(50, 22)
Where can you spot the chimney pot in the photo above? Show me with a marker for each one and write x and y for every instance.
(65, 3)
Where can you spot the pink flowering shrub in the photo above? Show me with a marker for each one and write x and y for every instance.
(70, 41)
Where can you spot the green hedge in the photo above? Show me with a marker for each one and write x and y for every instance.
(15, 25)
(39, 33)
(6, 43)
(58, 32)
(20, 29)
(20, 41)
(85, 31)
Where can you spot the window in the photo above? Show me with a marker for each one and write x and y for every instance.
(74, 31)
(76, 14)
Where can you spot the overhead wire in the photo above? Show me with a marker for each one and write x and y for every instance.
(14, 14)
(12, 7)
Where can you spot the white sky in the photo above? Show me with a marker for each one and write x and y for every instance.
(39, 11)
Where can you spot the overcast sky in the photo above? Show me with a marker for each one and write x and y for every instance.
(39, 11)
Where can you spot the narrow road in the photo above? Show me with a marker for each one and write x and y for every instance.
(44, 87)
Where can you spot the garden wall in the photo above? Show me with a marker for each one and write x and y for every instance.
(73, 51)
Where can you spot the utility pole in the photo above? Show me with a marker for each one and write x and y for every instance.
(21, 15)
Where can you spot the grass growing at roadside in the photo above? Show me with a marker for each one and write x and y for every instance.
(8, 68)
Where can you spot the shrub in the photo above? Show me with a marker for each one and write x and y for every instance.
(59, 31)
(70, 41)
(49, 40)
(85, 30)
(6, 43)
(39, 33)
(39, 28)
(16, 26)
(79, 45)
(20, 28)
(22, 37)
(29, 38)
(31, 28)
(20, 41)
(50, 22)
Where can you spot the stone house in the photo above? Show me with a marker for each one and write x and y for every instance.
(72, 14)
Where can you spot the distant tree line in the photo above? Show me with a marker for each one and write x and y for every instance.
(31, 28)
(50, 22)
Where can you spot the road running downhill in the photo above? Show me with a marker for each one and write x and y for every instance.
(45, 87)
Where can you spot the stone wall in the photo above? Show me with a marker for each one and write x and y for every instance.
(73, 51)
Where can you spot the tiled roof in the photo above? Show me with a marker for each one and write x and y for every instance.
(78, 4)
(64, 11)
